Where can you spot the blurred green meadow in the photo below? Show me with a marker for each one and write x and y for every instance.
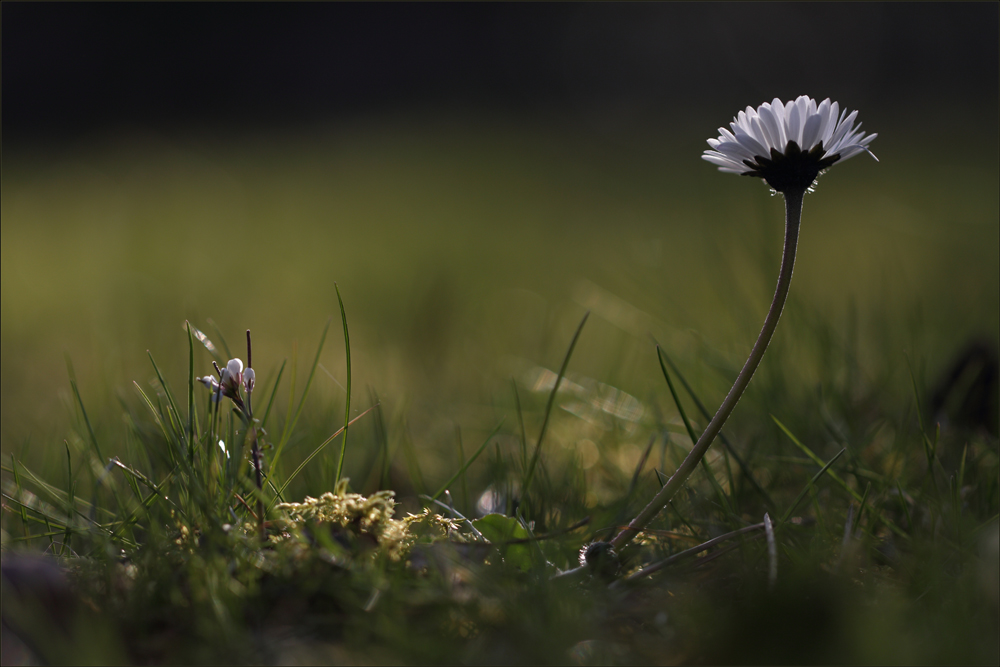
(467, 250)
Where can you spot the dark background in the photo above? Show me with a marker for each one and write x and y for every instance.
(70, 70)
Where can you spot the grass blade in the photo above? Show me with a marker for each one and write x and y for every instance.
(815, 459)
(156, 491)
(723, 501)
(461, 462)
(837, 478)
(20, 494)
(928, 449)
(677, 400)
(347, 405)
(222, 339)
(291, 398)
(520, 423)
(316, 451)
(86, 419)
(69, 491)
(468, 463)
(56, 495)
(722, 436)
(166, 389)
(802, 493)
(413, 462)
(548, 408)
(156, 418)
(639, 466)
(209, 345)
(191, 412)
(290, 425)
(861, 510)
(274, 392)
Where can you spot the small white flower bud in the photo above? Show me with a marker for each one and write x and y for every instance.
(235, 367)
(232, 376)
(248, 379)
(212, 385)
(209, 382)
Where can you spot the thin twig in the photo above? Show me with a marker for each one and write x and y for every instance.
(656, 567)
(772, 552)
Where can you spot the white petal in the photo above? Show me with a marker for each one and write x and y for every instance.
(824, 119)
(810, 133)
(793, 125)
(769, 117)
(843, 129)
(831, 125)
(761, 129)
(724, 162)
(735, 151)
(752, 145)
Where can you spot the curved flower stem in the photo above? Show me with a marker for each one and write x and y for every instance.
(793, 216)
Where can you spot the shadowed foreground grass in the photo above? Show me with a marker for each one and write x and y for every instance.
(466, 259)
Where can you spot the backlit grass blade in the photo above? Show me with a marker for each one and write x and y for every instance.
(347, 404)
(166, 388)
(548, 407)
(747, 474)
(723, 501)
(673, 392)
(192, 416)
(815, 459)
(86, 419)
(157, 420)
(520, 423)
(90, 428)
(68, 535)
(461, 462)
(316, 451)
(468, 463)
(290, 425)
(854, 494)
(157, 491)
(805, 490)
(274, 391)
(20, 493)
(54, 494)
(413, 461)
(221, 339)
(928, 448)
(639, 466)
(285, 430)
(837, 478)
(384, 433)
(43, 518)
(209, 345)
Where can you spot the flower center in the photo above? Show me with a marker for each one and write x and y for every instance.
(791, 170)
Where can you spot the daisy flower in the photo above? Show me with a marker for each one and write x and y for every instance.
(789, 144)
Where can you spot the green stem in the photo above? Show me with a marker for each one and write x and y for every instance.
(793, 216)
